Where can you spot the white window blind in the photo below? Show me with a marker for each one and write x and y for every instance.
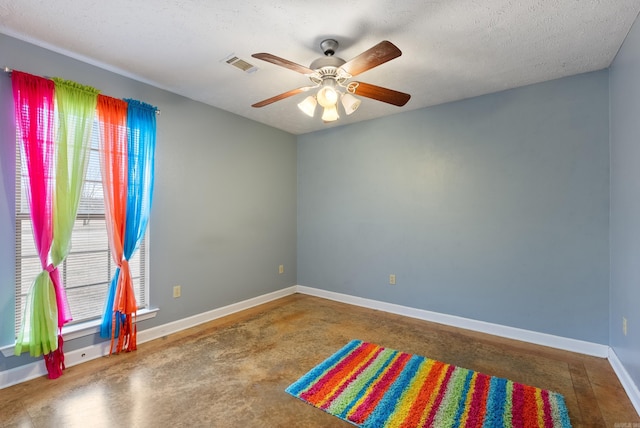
(88, 269)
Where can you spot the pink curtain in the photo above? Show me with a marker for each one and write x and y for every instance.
(34, 103)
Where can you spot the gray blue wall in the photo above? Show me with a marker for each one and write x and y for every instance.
(224, 214)
(625, 203)
(494, 208)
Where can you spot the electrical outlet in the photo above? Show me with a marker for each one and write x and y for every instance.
(281, 269)
(177, 291)
(624, 326)
(392, 279)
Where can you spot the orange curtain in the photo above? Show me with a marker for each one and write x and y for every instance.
(114, 166)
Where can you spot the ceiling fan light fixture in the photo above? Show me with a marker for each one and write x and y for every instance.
(330, 114)
(308, 106)
(327, 96)
(350, 103)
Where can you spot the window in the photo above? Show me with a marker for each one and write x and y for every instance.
(88, 269)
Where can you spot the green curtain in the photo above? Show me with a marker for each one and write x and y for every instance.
(76, 107)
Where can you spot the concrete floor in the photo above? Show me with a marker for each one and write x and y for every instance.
(232, 372)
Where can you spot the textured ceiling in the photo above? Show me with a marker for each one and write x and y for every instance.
(452, 49)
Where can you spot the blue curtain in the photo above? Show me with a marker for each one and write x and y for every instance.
(141, 121)
(141, 124)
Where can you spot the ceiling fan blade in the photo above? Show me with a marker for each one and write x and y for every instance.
(281, 96)
(379, 93)
(283, 63)
(379, 54)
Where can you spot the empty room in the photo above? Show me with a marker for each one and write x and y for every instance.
(287, 214)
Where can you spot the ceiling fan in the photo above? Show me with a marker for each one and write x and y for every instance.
(332, 75)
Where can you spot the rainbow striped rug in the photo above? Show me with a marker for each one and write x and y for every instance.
(370, 386)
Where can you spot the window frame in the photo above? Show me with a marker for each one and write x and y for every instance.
(87, 325)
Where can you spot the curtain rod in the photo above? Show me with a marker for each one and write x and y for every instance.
(9, 70)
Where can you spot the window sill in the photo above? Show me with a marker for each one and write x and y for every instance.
(85, 329)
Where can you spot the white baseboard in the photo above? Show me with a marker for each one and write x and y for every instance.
(36, 369)
(627, 383)
(183, 324)
(544, 339)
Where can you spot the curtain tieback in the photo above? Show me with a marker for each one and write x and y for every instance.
(124, 266)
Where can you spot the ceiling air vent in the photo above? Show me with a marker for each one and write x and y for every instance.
(240, 63)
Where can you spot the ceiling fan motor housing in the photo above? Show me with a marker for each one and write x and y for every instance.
(329, 64)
